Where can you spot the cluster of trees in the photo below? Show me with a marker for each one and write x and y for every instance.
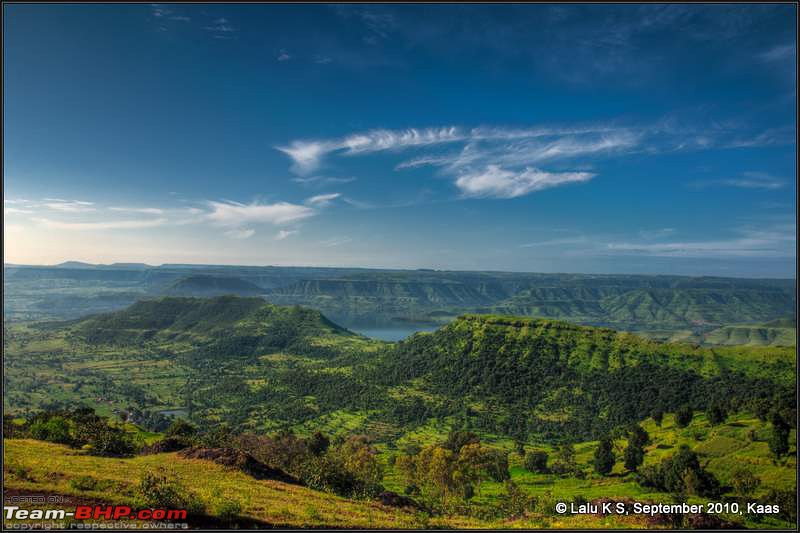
(588, 374)
(345, 466)
(605, 458)
(680, 474)
(445, 475)
(79, 428)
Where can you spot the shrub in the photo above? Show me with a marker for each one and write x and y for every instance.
(514, 502)
(228, 510)
(536, 461)
(779, 436)
(52, 429)
(604, 456)
(745, 482)
(683, 416)
(716, 414)
(180, 428)
(681, 474)
(156, 490)
(109, 441)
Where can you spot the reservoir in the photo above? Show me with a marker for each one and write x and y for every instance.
(393, 333)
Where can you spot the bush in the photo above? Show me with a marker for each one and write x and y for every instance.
(786, 501)
(604, 456)
(536, 461)
(681, 474)
(228, 511)
(180, 428)
(745, 482)
(157, 491)
(657, 416)
(109, 441)
(779, 436)
(716, 414)
(683, 416)
(514, 502)
(52, 429)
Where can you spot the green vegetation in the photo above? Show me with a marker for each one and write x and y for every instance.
(227, 404)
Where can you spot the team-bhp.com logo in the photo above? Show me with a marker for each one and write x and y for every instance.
(94, 512)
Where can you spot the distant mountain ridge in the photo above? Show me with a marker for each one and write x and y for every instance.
(358, 297)
(206, 286)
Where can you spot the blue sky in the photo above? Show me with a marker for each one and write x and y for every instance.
(568, 138)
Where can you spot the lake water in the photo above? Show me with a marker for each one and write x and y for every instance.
(393, 334)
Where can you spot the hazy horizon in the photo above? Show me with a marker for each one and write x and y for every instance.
(386, 268)
(518, 138)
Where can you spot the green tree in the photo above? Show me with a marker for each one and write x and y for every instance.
(658, 416)
(564, 459)
(536, 461)
(634, 451)
(604, 456)
(779, 436)
(180, 428)
(457, 438)
(716, 414)
(681, 474)
(52, 429)
(745, 482)
(683, 416)
(513, 501)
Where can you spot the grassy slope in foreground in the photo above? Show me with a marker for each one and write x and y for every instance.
(49, 468)
(740, 442)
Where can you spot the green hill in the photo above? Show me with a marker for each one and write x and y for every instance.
(239, 325)
(752, 336)
(257, 365)
(652, 308)
(521, 376)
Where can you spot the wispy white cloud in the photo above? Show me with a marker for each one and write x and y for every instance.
(69, 206)
(656, 233)
(159, 11)
(282, 234)
(496, 182)
(320, 181)
(228, 213)
(100, 225)
(748, 180)
(221, 28)
(240, 234)
(555, 242)
(322, 200)
(307, 154)
(143, 210)
(779, 53)
(16, 211)
(283, 55)
(335, 241)
(508, 162)
(778, 241)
